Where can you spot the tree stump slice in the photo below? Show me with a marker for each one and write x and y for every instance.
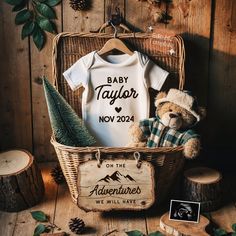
(180, 228)
(202, 184)
(21, 183)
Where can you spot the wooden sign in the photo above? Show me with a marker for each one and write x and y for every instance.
(116, 185)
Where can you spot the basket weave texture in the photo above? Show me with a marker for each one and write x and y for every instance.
(168, 52)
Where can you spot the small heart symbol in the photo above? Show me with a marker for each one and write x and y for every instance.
(118, 109)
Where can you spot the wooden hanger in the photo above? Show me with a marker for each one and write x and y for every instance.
(108, 24)
(115, 43)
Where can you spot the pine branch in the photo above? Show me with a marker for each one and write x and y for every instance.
(36, 17)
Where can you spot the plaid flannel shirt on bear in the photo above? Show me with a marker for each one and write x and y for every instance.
(162, 136)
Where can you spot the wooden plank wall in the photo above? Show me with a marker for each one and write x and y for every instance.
(207, 26)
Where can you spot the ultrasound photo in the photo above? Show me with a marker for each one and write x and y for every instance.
(184, 211)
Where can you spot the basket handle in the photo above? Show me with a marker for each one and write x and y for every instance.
(55, 56)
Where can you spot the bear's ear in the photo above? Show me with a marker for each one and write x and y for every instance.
(160, 95)
(201, 111)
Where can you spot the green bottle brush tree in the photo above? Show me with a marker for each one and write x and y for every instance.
(67, 127)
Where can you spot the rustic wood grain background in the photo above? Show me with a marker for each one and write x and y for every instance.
(209, 31)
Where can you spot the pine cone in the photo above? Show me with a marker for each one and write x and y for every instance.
(79, 5)
(76, 225)
(57, 175)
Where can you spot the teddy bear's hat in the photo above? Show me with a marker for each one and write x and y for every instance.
(182, 99)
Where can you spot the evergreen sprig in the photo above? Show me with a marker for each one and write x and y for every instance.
(139, 233)
(36, 16)
(44, 226)
(216, 231)
(67, 127)
(222, 232)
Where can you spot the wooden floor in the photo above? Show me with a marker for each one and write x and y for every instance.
(58, 205)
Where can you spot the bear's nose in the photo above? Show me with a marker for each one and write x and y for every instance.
(171, 115)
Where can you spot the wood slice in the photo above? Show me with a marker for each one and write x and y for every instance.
(21, 184)
(180, 228)
(203, 185)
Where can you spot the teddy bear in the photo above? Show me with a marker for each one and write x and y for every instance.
(176, 113)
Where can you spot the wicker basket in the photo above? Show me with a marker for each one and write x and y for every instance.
(168, 52)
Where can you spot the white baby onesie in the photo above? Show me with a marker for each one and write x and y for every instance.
(116, 93)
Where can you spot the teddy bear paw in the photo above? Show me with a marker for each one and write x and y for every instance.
(192, 148)
(137, 144)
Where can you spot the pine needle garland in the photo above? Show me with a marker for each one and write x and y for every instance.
(67, 127)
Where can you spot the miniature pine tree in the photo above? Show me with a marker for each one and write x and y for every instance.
(67, 127)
